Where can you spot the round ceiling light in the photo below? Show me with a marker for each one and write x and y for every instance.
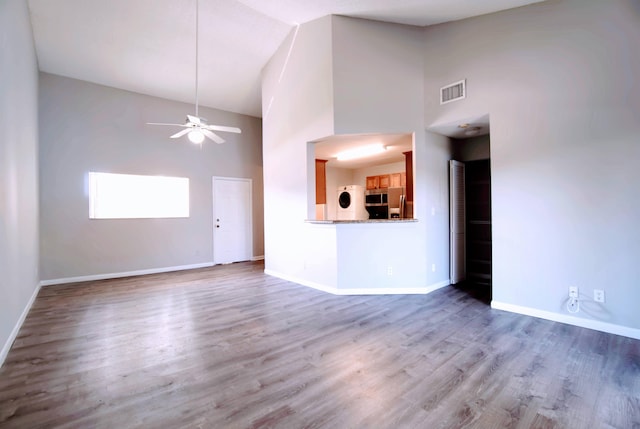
(472, 131)
(196, 136)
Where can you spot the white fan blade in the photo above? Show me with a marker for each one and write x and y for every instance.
(223, 128)
(180, 133)
(173, 125)
(194, 119)
(216, 138)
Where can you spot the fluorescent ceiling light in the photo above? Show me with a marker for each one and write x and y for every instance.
(361, 152)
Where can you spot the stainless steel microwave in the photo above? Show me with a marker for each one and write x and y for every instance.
(375, 197)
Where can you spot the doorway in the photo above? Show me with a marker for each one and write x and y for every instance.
(478, 222)
(470, 225)
(232, 220)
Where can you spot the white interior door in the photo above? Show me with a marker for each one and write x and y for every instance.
(232, 220)
(457, 215)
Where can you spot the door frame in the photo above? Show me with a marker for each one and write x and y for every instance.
(213, 214)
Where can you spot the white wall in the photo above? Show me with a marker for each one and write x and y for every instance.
(471, 149)
(560, 82)
(338, 177)
(87, 127)
(378, 88)
(297, 99)
(377, 74)
(348, 76)
(18, 169)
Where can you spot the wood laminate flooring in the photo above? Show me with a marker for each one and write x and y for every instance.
(231, 347)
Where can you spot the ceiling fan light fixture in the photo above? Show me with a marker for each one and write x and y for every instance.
(472, 131)
(196, 127)
(196, 136)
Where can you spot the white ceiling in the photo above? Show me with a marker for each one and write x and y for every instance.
(394, 144)
(148, 46)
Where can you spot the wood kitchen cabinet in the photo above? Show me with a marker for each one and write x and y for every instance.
(395, 180)
(384, 181)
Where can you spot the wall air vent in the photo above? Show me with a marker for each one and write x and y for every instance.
(453, 92)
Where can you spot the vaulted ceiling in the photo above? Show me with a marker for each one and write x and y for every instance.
(148, 46)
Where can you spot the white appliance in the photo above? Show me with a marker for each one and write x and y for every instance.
(351, 203)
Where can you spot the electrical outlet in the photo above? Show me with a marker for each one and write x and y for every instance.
(389, 270)
(598, 295)
(573, 292)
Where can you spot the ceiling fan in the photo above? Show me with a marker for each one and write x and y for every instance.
(196, 128)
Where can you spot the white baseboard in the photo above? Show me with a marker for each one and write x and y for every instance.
(360, 291)
(596, 325)
(302, 282)
(123, 274)
(257, 258)
(393, 291)
(14, 333)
